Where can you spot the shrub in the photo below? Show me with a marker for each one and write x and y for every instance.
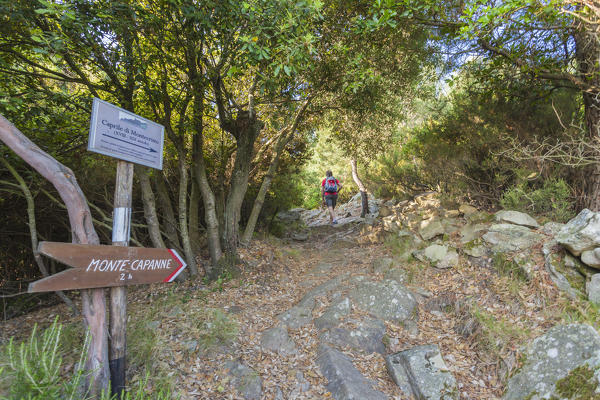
(553, 199)
(34, 370)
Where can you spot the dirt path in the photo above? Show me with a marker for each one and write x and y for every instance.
(277, 276)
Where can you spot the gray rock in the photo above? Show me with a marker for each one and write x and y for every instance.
(471, 232)
(245, 380)
(322, 290)
(581, 233)
(366, 337)
(525, 263)
(345, 382)
(552, 228)
(552, 357)
(441, 256)
(592, 288)
(505, 238)
(299, 315)
(422, 373)
(516, 218)
(397, 274)
(321, 269)
(382, 265)
(430, 228)
(555, 265)
(300, 236)
(289, 216)
(591, 257)
(476, 251)
(388, 300)
(451, 225)
(467, 209)
(331, 316)
(278, 340)
(452, 213)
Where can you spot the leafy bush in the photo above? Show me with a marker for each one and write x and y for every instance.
(553, 199)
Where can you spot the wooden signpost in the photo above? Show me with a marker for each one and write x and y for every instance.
(118, 133)
(107, 266)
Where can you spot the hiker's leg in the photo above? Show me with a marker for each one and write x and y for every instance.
(331, 213)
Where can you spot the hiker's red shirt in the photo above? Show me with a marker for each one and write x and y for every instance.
(336, 182)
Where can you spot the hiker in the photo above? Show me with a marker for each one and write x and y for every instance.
(329, 191)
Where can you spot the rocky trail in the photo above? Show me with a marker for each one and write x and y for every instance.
(416, 301)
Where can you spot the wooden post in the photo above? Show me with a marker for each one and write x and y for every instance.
(118, 295)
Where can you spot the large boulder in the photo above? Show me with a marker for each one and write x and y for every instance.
(581, 233)
(592, 288)
(345, 382)
(505, 238)
(558, 365)
(278, 340)
(422, 373)
(591, 257)
(467, 209)
(516, 218)
(388, 300)
(332, 315)
(290, 215)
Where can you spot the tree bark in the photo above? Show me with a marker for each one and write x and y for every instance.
(361, 187)
(193, 218)
(587, 53)
(208, 198)
(33, 232)
(182, 208)
(149, 207)
(168, 215)
(82, 230)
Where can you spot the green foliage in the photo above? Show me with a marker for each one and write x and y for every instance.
(579, 384)
(495, 333)
(553, 199)
(508, 267)
(35, 369)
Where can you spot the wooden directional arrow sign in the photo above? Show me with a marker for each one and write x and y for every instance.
(103, 266)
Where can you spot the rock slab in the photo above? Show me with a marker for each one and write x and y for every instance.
(388, 300)
(245, 380)
(516, 218)
(345, 381)
(552, 357)
(422, 372)
(581, 233)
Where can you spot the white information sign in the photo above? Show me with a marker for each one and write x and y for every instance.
(118, 133)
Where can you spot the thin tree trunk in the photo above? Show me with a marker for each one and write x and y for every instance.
(149, 207)
(194, 217)
(208, 198)
(82, 231)
(33, 233)
(168, 215)
(363, 191)
(183, 227)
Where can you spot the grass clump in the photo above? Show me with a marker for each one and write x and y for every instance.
(495, 333)
(34, 369)
(217, 329)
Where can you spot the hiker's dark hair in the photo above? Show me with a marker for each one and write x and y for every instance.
(328, 173)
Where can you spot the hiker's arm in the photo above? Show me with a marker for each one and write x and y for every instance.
(340, 186)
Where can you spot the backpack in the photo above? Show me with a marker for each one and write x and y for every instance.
(330, 185)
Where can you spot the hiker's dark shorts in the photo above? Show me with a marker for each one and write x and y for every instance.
(331, 200)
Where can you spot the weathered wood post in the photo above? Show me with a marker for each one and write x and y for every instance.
(118, 294)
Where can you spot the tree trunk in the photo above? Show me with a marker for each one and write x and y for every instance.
(82, 230)
(282, 141)
(361, 187)
(208, 198)
(249, 128)
(33, 232)
(587, 53)
(168, 215)
(149, 207)
(185, 237)
(193, 218)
